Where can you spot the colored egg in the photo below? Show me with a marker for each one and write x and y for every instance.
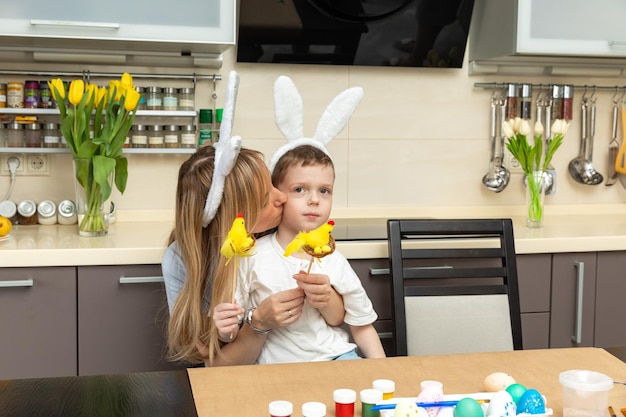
(408, 408)
(498, 381)
(468, 407)
(516, 390)
(431, 395)
(531, 402)
(501, 405)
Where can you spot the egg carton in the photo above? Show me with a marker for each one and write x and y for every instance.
(449, 411)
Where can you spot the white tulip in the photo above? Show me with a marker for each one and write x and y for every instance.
(538, 128)
(507, 130)
(524, 128)
(517, 123)
(560, 126)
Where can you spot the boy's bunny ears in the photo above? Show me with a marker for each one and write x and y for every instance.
(288, 108)
(226, 151)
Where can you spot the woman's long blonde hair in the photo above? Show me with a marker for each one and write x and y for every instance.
(246, 192)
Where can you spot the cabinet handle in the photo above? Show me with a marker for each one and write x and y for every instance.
(99, 25)
(617, 43)
(17, 283)
(379, 271)
(385, 335)
(580, 278)
(140, 280)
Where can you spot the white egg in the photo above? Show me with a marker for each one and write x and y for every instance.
(408, 408)
(502, 405)
(498, 381)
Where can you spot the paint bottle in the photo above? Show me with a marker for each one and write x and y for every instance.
(314, 409)
(280, 409)
(344, 402)
(386, 386)
(369, 398)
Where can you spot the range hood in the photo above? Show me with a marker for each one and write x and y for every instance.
(546, 37)
(188, 33)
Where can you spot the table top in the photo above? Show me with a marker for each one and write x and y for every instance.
(247, 390)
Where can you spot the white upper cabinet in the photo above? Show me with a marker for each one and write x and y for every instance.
(118, 30)
(548, 37)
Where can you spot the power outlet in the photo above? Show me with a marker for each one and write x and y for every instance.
(511, 163)
(29, 164)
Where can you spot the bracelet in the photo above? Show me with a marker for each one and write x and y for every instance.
(247, 318)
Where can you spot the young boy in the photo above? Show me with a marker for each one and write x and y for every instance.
(306, 174)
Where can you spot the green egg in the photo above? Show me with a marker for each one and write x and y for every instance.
(516, 391)
(468, 407)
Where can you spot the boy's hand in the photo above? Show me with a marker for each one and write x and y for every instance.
(226, 319)
(317, 288)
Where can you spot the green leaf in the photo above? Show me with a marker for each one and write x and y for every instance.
(121, 173)
(103, 167)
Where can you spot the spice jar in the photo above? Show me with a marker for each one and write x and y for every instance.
(27, 212)
(156, 137)
(171, 136)
(186, 99)
(32, 135)
(526, 101)
(15, 135)
(45, 96)
(205, 127)
(188, 136)
(557, 102)
(314, 409)
(170, 99)
(511, 101)
(4, 134)
(154, 98)
(31, 94)
(568, 102)
(139, 138)
(66, 213)
(15, 94)
(142, 98)
(3, 95)
(51, 135)
(47, 212)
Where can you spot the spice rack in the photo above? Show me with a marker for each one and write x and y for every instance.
(142, 115)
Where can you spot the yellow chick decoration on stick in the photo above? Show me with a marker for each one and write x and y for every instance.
(238, 241)
(317, 243)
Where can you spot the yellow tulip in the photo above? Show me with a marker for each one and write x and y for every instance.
(132, 98)
(56, 86)
(102, 95)
(127, 80)
(115, 86)
(77, 89)
(92, 92)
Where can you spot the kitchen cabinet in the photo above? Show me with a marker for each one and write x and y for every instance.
(534, 278)
(610, 297)
(122, 319)
(573, 299)
(194, 33)
(38, 322)
(543, 33)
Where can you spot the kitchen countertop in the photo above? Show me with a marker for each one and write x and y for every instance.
(140, 238)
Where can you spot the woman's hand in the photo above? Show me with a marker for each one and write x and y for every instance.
(279, 309)
(322, 296)
(226, 319)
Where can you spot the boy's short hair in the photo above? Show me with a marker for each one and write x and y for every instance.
(303, 155)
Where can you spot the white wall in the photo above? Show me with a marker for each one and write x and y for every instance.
(420, 137)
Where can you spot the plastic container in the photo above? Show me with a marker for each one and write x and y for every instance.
(47, 212)
(344, 402)
(369, 398)
(314, 409)
(280, 408)
(386, 386)
(585, 393)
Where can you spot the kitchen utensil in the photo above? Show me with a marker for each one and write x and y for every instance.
(580, 169)
(620, 162)
(497, 177)
(592, 132)
(550, 177)
(613, 147)
(214, 93)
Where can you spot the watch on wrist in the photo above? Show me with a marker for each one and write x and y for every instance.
(247, 318)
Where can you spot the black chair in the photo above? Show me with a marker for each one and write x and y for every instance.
(454, 286)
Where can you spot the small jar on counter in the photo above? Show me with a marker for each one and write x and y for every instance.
(170, 99)
(8, 209)
(51, 135)
(27, 212)
(188, 136)
(155, 137)
(172, 136)
(15, 135)
(47, 212)
(32, 135)
(154, 98)
(139, 138)
(186, 99)
(66, 213)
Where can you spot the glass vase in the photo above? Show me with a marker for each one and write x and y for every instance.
(535, 195)
(93, 220)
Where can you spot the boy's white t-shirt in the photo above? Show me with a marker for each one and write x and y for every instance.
(310, 338)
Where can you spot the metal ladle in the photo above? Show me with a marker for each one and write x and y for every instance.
(497, 177)
(580, 168)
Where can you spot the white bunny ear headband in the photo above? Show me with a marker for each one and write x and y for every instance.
(226, 151)
(288, 108)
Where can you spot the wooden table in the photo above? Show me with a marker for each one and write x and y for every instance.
(246, 391)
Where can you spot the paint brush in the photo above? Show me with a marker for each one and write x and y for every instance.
(451, 403)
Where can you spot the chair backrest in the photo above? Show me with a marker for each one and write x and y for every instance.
(454, 286)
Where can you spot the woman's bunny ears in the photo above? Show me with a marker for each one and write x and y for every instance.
(226, 151)
(288, 108)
